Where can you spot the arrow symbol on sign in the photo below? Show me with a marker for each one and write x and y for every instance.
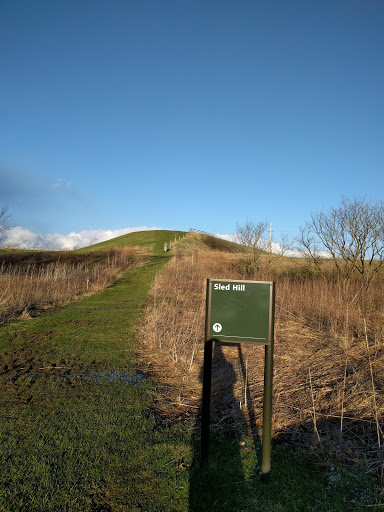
(217, 327)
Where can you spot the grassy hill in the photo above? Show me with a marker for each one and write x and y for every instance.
(153, 238)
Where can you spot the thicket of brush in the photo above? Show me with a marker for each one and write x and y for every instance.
(329, 353)
(30, 282)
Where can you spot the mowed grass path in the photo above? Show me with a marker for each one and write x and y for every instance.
(77, 431)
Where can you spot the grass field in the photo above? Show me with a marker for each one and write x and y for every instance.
(81, 427)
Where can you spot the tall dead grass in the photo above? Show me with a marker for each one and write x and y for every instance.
(329, 355)
(174, 320)
(28, 284)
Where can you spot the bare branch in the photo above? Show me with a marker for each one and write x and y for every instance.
(286, 244)
(5, 223)
(250, 234)
(352, 234)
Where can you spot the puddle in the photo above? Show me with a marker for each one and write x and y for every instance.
(123, 377)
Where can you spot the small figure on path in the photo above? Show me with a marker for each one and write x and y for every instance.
(165, 247)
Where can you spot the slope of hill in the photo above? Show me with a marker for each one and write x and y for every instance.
(153, 238)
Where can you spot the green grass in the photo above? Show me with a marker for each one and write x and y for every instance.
(299, 482)
(155, 238)
(73, 437)
(78, 432)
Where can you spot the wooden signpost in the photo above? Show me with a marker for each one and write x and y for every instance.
(240, 311)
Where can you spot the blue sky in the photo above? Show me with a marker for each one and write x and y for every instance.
(179, 114)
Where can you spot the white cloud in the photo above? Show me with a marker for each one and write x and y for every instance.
(26, 239)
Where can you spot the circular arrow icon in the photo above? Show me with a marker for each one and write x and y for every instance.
(217, 327)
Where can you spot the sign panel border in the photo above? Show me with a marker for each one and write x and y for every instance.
(271, 284)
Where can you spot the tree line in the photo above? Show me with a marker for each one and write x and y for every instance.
(350, 235)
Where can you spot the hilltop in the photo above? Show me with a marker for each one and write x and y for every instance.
(153, 241)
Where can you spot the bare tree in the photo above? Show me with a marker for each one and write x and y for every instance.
(250, 235)
(5, 223)
(351, 235)
(285, 244)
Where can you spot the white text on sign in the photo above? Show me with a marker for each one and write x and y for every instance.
(227, 287)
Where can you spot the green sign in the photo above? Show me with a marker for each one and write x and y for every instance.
(240, 311)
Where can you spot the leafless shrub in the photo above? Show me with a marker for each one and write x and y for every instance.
(5, 222)
(352, 235)
(250, 236)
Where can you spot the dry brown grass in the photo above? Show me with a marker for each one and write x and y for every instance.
(32, 282)
(328, 380)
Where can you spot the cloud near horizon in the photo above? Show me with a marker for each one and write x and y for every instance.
(25, 239)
